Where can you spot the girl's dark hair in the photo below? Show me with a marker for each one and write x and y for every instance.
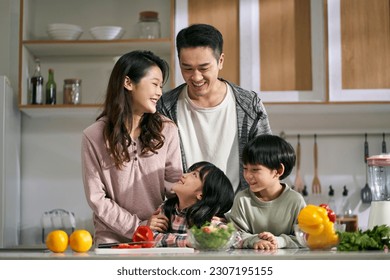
(200, 35)
(217, 196)
(270, 151)
(117, 107)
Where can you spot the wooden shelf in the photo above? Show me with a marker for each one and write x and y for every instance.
(82, 110)
(46, 48)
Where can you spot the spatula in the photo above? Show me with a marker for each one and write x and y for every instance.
(298, 183)
(316, 185)
(365, 193)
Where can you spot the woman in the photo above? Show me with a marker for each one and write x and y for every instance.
(131, 154)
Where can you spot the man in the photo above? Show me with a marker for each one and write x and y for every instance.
(215, 117)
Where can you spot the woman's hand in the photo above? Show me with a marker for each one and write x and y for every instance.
(158, 222)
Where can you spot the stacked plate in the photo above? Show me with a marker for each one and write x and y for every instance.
(64, 31)
(107, 32)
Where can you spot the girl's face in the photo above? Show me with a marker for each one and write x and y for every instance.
(188, 189)
(147, 92)
(260, 177)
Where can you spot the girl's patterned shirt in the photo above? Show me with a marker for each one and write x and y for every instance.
(177, 235)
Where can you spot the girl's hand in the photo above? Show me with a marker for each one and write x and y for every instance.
(158, 222)
(264, 245)
(269, 237)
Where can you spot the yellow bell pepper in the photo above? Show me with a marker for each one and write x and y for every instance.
(310, 215)
(314, 221)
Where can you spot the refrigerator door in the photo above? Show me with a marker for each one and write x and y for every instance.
(10, 130)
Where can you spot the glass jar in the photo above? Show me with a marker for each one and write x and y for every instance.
(148, 25)
(72, 91)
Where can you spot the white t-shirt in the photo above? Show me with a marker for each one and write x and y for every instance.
(210, 134)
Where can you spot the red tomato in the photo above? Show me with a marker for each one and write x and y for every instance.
(330, 212)
(206, 229)
(332, 216)
(323, 205)
(142, 234)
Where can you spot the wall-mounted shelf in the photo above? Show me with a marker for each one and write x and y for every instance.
(84, 110)
(47, 48)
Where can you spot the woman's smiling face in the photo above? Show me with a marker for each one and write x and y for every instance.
(147, 92)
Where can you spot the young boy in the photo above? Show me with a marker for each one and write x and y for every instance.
(266, 212)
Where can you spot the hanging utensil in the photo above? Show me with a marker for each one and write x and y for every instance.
(365, 193)
(316, 185)
(298, 183)
(383, 145)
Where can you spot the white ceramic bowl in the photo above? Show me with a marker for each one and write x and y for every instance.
(62, 26)
(106, 32)
(64, 31)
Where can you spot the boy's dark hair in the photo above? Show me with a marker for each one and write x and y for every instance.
(270, 151)
(200, 35)
(217, 196)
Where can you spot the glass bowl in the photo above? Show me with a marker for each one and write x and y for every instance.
(323, 241)
(212, 237)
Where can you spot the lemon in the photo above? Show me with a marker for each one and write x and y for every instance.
(80, 241)
(57, 241)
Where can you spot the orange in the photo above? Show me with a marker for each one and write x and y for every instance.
(57, 241)
(80, 241)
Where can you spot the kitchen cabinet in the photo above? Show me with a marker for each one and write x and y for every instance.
(86, 58)
(359, 50)
(283, 57)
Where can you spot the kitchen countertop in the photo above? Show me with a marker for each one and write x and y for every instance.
(246, 254)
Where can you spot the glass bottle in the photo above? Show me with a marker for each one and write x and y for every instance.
(347, 216)
(346, 210)
(51, 89)
(148, 25)
(36, 84)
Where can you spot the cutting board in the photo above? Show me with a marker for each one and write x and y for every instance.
(136, 251)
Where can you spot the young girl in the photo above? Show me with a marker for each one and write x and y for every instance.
(130, 151)
(201, 194)
(266, 212)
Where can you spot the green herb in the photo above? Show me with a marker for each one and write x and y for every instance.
(212, 237)
(377, 238)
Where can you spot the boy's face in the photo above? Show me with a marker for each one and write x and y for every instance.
(200, 70)
(260, 177)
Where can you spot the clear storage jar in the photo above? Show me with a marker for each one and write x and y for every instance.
(148, 25)
(72, 91)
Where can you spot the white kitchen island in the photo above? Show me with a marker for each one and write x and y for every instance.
(245, 254)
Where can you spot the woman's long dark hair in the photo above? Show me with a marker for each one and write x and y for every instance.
(117, 107)
(217, 196)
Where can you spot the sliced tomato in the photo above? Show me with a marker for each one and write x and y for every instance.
(143, 233)
(128, 246)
